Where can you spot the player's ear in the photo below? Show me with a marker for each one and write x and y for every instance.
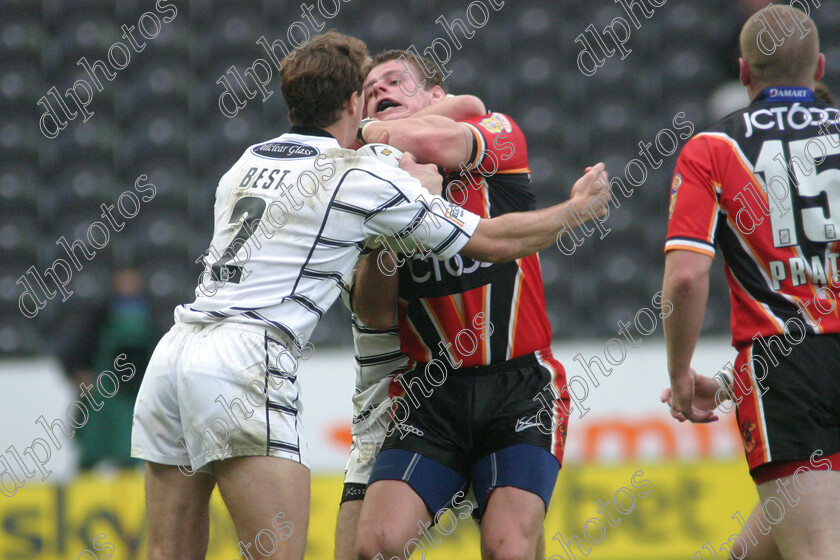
(355, 104)
(820, 68)
(744, 71)
(437, 93)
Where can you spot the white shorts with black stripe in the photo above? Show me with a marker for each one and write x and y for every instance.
(215, 391)
(368, 433)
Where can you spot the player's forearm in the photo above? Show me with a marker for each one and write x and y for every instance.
(512, 236)
(687, 290)
(519, 234)
(432, 139)
(457, 108)
(374, 295)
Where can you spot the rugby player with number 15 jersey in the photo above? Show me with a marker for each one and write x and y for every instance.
(764, 186)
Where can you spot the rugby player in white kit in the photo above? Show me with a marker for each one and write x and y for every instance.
(220, 400)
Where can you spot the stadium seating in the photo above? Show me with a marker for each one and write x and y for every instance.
(160, 117)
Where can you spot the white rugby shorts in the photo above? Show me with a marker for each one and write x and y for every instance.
(215, 391)
(368, 432)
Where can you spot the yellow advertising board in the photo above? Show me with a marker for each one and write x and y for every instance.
(611, 512)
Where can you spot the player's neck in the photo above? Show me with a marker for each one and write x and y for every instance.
(344, 130)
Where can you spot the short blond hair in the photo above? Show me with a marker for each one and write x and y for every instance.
(792, 61)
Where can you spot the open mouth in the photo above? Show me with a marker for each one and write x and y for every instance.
(386, 104)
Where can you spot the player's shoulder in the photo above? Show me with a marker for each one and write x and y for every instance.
(494, 122)
(498, 134)
(267, 141)
(731, 125)
(706, 149)
(726, 132)
(385, 165)
(366, 171)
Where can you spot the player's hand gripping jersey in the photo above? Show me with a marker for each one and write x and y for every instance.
(764, 184)
(300, 198)
(481, 313)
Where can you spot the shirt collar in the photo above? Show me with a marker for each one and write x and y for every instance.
(782, 94)
(310, 131)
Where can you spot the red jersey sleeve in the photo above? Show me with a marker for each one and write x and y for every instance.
(500, 145)
(693, 211)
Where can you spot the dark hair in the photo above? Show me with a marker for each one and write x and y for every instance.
(420, 73)
(318, 79)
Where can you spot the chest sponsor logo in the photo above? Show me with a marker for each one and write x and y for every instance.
(433, 270)
(284, 150)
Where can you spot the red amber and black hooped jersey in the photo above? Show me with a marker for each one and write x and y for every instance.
(469, 312)
(764, 184)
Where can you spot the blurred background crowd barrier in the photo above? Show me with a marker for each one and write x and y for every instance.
(159, 116)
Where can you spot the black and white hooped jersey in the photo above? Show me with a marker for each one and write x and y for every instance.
(292, 217)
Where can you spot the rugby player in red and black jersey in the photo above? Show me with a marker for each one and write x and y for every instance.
(764, 185)
(476, 335)
(377, 359)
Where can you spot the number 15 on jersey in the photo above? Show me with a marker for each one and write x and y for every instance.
(815, 203)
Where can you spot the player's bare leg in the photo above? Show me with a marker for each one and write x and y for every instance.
(511, 526)
(345, 529)
(540, 555)
(177, 505)
(765, 545)
(256, 490)
(390, 515)
(809, 529)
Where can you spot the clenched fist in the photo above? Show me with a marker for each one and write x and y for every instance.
(426, 173)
